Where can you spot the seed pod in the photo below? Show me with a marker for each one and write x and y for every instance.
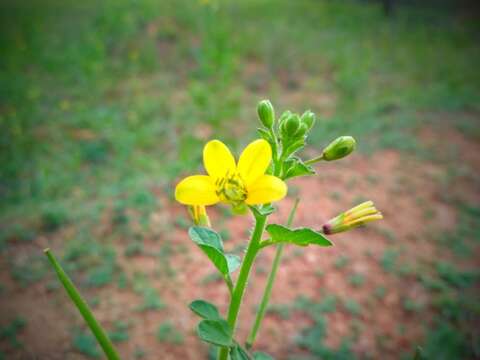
(266, 114)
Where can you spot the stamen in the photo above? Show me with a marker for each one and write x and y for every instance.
(231, 189)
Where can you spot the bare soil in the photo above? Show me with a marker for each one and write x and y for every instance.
(402, 186)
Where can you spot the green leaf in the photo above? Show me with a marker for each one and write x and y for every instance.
(238, 353)
(216, 332)
(206, 236)
(301, 236)
(83, 308)
(294, 147)
(233, 262)
(265, 134)
(296, 167)
(263, 210)
(261, 356)
(266, 209)
(211, 244)
(204, 309)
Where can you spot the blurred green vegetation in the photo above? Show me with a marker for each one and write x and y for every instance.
(102, 102)
(101, 99)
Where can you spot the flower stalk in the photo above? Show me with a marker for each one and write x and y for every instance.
(270, 281)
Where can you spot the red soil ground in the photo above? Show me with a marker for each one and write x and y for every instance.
(402, 186)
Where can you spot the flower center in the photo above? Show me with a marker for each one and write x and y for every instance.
(231, 189)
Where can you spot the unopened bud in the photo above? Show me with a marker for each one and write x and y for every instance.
(285, 115)
(292, 124)
(356, 216)
(308, 118)
(339, 148)
(282, 122)
(302, 130)
(266, 114)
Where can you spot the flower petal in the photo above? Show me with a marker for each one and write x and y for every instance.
(254, 161)
(196, 190)
(265, 189)
(218, 160)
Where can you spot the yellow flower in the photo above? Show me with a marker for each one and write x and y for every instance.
(228, 182)
(356, 216)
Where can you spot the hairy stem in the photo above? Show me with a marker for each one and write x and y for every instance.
(271, 279)
(242, 280)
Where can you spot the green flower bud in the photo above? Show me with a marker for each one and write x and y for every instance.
(266, 114)
(302, 130)
(308, 118)
(282, 123)
(339, 148)
(285, 115)
(292, 124)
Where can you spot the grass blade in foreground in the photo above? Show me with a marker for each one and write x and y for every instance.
(84, 309)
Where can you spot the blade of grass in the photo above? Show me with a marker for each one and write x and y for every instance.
(84, 309)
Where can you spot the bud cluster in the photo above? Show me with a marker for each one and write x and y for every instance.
(288, 135)
(293, 127)
(290, 126)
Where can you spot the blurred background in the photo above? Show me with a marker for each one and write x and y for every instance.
(105, 105)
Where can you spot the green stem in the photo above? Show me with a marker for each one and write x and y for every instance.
(271, 279)
(82, 306)
(274, 149)
(265, 243)
(314, 160)
(242, 280)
